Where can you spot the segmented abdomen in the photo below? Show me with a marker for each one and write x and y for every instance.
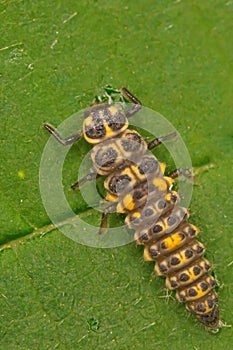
(171, 242)
(179, 257)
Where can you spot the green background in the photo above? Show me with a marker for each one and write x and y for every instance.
(176, 56)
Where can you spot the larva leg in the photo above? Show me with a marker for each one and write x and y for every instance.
(88, 177)
(66, 141)
(187, 173)
(104, 220)
(156, 142)
(133, 99)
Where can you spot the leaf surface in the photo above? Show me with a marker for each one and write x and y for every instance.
(176, 56)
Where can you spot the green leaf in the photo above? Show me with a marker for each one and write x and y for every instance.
(176, 56)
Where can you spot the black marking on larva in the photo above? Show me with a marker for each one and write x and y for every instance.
(199, 249)
(163, 268)
(149, 165)
(154, 253)
(171, 220)
(201, 308)
(161, 204)
(157, 229)
(191, 231)
(115, 121)
(213, 282)
(119, 183)
(204, 286)
(106, 158)
(130, 146)
(175, 260)
(196, 270)
(163, 245)
(144, 237)
(188, 253)
(136, 221)
(174, 284)
(138, 194)
(210, 303)
(136, 138)
(96, 130)
(192, 292)
(184, 277)
(182, 262)
(182, 235)
(148, 212)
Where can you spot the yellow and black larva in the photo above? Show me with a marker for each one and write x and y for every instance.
(140, 189)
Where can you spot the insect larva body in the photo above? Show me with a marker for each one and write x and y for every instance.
(137, 186)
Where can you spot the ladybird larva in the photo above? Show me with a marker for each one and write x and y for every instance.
(141, 191)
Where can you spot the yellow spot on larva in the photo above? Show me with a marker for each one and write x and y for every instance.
(128, 202)
(183, 258)
(113, 110)
(169, 180)
(200, 293)
(110, 197)
(169, 196)
(88, 121)
(109, 131)
(120, 208)
(146, 255)
(192, 277)
(126, 171)
(136, 214)
(21, 174)
(173, 241)
(162, 167)
(160, 184)
(136, 171)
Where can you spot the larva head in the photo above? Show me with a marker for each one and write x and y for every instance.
(103, 121)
